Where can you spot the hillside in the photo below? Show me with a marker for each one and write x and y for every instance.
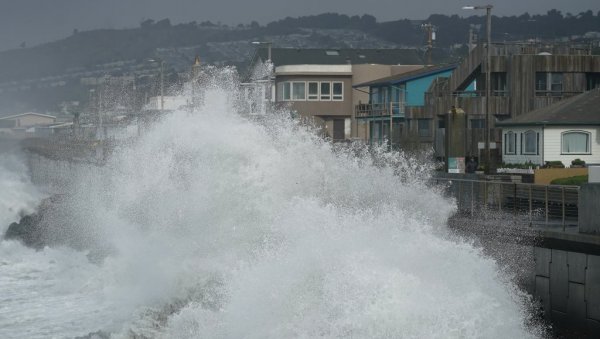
(40, 77)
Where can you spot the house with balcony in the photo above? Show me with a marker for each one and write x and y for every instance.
(318, 85)
(395, 111)
(523, 78)
(564, 131)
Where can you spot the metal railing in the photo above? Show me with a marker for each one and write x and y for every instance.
(380, 109)
(541, 205)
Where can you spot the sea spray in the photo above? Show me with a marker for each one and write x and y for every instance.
(217, 226)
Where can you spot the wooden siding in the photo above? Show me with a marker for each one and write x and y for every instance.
(463, 72)
(552, 145)
(499, 105)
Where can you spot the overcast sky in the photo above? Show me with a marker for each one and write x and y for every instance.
(37, 21)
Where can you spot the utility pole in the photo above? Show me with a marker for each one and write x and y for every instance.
(430, 30)
(488, 73)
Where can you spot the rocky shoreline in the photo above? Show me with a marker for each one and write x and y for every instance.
(52, 226)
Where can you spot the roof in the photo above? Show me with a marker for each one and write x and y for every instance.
(321, 56)
(583, 109)
(405, 77)
(28, 113)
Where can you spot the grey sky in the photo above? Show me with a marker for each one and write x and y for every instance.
(36, 21)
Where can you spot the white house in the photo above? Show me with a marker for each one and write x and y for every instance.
(565, 131)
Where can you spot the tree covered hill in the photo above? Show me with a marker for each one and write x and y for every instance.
(88, 48)
(83, 53)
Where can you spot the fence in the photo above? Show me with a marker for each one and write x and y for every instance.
(542, 205)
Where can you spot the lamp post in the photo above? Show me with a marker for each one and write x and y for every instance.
(269, 45)
(488, 9)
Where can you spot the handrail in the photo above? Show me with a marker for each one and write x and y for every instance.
(395, 108)
(541, 204)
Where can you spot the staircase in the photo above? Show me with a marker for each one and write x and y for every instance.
(464, 73)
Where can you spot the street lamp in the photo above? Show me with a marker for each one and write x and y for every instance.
(162, 82)
(488, 9)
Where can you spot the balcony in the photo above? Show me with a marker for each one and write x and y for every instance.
(388, 109)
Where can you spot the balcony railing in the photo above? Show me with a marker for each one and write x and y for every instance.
(540, 205)
(395, 109)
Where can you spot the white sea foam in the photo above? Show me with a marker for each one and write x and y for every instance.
(224, 228)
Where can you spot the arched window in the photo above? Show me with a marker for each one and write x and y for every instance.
(530, 142)
(575, 142)
(510, 143)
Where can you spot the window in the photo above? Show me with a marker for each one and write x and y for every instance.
(298, 91)
(529, 142)
(325, 91)
(313, 91)
(575, 142)
(423, 125)
(593, 80)
(287, 91)
(548, 83)
(477, 123)
(541, 83)
(510, 142)
(338, 91)
(498, 81)
(556, 82)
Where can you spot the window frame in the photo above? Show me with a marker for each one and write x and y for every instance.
(535, 143)
(507, 137)
(548, 80)
(293, 93)
(286, 85)
(317, 96)
(588, 142)
(336, 97)
(328, 95)
(478, 121)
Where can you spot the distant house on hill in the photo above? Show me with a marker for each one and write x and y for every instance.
(564, 131)
(30, 119)
(318, 83)
(24, 124)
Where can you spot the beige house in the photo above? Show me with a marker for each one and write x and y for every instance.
(24, 123)
(30, 119)
(317, 84)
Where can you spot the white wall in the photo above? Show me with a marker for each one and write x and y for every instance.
(520, 158)
(552, 145)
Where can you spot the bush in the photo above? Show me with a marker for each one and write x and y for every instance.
(576, 180)
(554, 164)
(578, 162)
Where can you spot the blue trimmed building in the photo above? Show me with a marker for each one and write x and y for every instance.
(395, 111)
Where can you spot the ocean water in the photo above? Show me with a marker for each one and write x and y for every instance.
(212, 225)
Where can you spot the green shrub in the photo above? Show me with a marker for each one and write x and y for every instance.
(576, 180)
(554, 164)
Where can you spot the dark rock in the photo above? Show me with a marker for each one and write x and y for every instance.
(27, 230)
